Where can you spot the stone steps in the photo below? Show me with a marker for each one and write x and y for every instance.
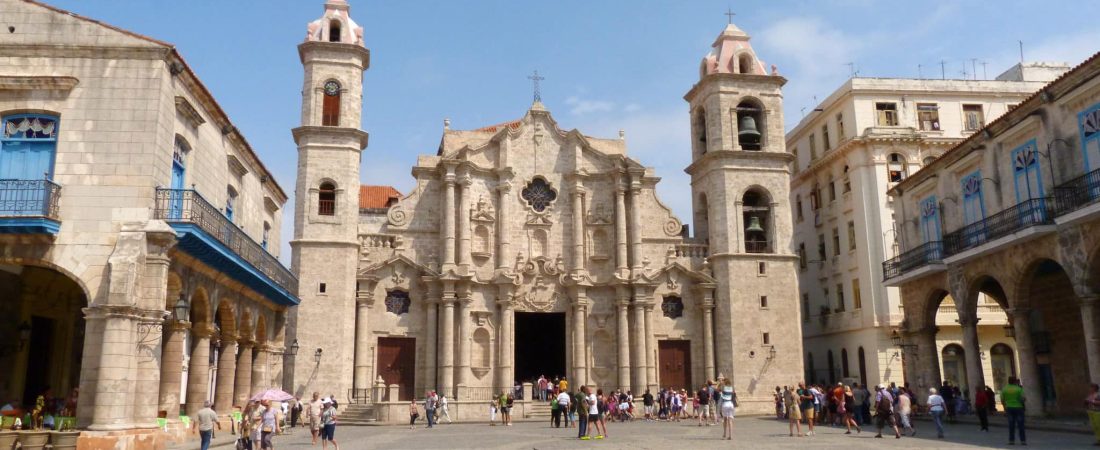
(358, 415)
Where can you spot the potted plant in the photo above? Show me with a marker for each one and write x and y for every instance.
(65, 436)
(7, 439)
(33, 439)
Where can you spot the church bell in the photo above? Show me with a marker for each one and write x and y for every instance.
(747, 131)
(754, 225)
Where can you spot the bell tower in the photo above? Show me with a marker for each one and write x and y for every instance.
(326, 204)
(740, 179)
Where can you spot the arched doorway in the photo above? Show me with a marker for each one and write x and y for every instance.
(1057, 337)
(41, 336)
(953, 358)
(1002, 360)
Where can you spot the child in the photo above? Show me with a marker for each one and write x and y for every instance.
(492, 413)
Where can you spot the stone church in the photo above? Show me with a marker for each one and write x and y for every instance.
(529, 249)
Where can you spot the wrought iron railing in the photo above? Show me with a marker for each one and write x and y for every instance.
(927, 253)
(757, 246)
(29, 198)
(359, 396)
(1023, 215)
(1077, 193)
(187, 206)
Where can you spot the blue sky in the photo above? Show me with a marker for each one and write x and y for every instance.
(609, 65)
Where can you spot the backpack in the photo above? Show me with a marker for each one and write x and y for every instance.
(554, 404)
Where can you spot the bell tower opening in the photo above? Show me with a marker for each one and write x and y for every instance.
(334, 31)
(748, 125)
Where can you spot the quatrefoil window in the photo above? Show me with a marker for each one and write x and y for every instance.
(672, 307)
(397, 302)
(538, 194)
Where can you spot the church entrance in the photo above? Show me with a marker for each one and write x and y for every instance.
(397, 364)
(675, 362)
(540, 346)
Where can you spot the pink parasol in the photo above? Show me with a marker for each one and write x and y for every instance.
(275, 395)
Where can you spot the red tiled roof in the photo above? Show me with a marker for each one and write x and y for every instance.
(494, 128)
(377, 196)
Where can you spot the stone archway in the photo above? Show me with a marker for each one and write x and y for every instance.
(1056, 331)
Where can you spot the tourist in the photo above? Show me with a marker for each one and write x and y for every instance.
(780, 406)
(541, 386)
(555, 413)
(982, 401)
(269, 426)
(676, 405)
(508, 405)
(1012, 398)
(1092, 408)
(255, 419)
(936, 407)
(295, 412)
(246, 426)
(859, 396)
(819, 400)
(502, 408)
(429, 407)
(314, 411)
(601, 413)
(884, 411)
(948, 394)
(703, 398)
(593, 409)
(563, 385)
(715, 400)
(846, 408)
(835, 402)
(806, 402)
(905, 412)
(794, 411)
(414, 413)
(582, 407)
(564, 406)
(647, 404)
(205, 421)
(443, 409)
(492, 412)
(328, 424)
(728, 408)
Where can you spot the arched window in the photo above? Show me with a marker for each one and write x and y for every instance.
(862, 367)
(330, 106)
(702, 230)
(179, 162)
(896, 169)
(267, 234)
(832, 367)
(954, 365)
(1003, 360)
(334, 31)
(757, 222)
(28, 147)
(482, 244)
(744, 63)
(326, 199)
(844, 362)
(482, 351)
(750, 120)
(811, 376)
(700, 123)
(601, 245)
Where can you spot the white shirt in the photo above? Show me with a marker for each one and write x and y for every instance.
(563, 399)
(593, 408)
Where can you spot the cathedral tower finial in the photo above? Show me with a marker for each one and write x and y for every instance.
(335, 25)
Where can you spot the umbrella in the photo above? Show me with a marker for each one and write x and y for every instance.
(275, 395)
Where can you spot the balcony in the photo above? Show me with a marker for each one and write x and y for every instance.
(1016, 218)
(29, 207)
(205, 233)
(929, 253)
(1078, 193)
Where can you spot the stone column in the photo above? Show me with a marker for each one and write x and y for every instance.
(198, 382)
(259, 368)
(738, 234)
(622, 330)
(464, 222)
(580, 354)
(504, 367)
(929, 359)
(242, 382)
(1029, 368)
(578, 228)
(227, 372)
(972, 352)
(447, 342)
(651, 348)
(462, 369)
(708, 335)
(430, 349)
(171, 366)
(1092, 338)
(502, 223)
(621, 263)
(361, 378)
(636, 226)
(110, 391)
(448, 213)
(638, 358)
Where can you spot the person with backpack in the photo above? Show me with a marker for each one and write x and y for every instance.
(555, 413)
(884, 411)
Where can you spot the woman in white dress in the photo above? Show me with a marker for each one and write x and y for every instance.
(728, 407)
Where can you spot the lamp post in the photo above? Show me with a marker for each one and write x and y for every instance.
(1050, 163)
(317, 356)
(293, 351)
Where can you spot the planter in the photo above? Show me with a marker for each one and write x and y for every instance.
(7, 439)
(33, 440)
(64, 440)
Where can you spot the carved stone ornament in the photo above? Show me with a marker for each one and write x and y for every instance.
(599, 215)
(397, 215)
(483, 211)
(673, 226)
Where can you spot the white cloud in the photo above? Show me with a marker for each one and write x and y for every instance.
(581, 107)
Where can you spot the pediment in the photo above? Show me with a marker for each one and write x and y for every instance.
(400, 264)
(674, 274)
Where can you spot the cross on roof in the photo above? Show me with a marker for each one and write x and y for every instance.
(535, 78)
(729, 14)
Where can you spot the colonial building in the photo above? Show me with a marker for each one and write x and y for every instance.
(864, 138)
(526, 249)
(1010, 213)
(138, 232)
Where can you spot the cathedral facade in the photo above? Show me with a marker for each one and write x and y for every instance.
(527, 249)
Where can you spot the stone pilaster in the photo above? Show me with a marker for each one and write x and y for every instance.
(448, 222)
(640, 381)
(507, 318)
(1029, 368)
(198, 370)
(464, 223)
(578, 228)
(361, 378)
(580, 349)
(971, 351)
(504, 189)
(636, 225)
(462, 369)
(707, 307)
(929, 359)
(447, 341)
(148, 345)
(259, 368)
(651, 348)
(171, 366)
(622, 329)
(227, 372)
(431, 324)
(242, 381)
(621, 263)
(1092, 336)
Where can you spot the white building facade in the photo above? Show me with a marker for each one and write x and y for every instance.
(867, 136)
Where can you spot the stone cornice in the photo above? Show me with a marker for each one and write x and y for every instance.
(37, 83)
(361, 52)
(311, 130)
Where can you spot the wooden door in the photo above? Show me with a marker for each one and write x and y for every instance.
(674, 358)
(397, 364)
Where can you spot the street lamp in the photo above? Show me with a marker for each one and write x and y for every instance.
(1010, 331)
(181, 309)
(317, 356)
(293, 351)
